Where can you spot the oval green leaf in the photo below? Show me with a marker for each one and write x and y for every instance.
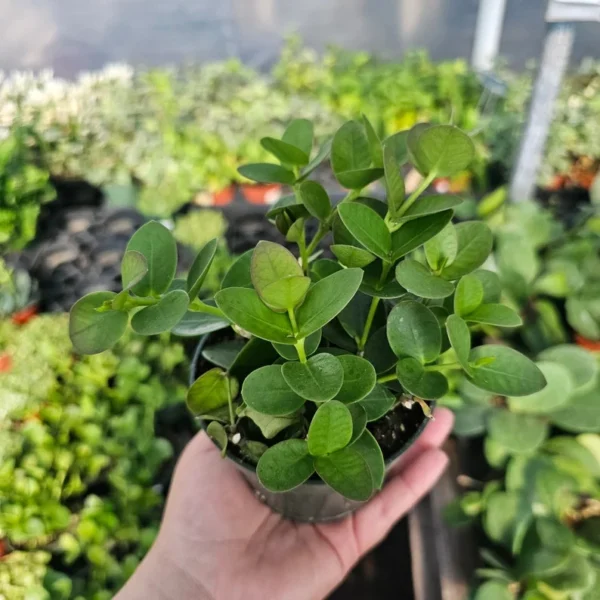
(315, 199)
(326, 299)
(267, 173)
(442, 248)
(418, 280)
(517, 433)
(330, 429)
(91, 331)
(378, 402)
(368, 447)
(200, 267)
(208, 392)
(429, 385)
(413, 330)
(394, 183)
(474, 246)
(415, 233)
(367, 227)
(348, 473)
(311, 343)
(469, 295)
(216, 432)
(505, 371)
(359, 378)
(581, 364)
(582, 413)
(162, 316)
(245, 308)
(156, 243)
(266, 391)
(284, 152)
(430, 205)
(378, 351)
(352, 256)
(285, 294)
(133, 269)
(270, 263)
(299, 133)
(196, 323)
(460, 340)
(239, 274)
(498, 315)
(318, 379)
(359, 421)
(285, 466)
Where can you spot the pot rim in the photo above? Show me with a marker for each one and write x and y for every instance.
(249, 467)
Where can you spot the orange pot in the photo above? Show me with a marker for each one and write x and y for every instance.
(6, 362)
(587, 344)
(262, 193)
(24, 315)
(224, 196)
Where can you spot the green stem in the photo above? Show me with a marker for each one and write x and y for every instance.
(368, 323)
(292, 317)
(450, 366)
(385, 269)
(198, 306)
(321, 233)
(299, 345)
(386, 378)
(141, 301)
(230, 402)
(413, 197)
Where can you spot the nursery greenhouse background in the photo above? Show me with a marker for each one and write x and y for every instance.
(430, 162)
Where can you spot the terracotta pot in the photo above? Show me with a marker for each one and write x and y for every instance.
(224, 196)
(262, 194)
(2, 549)
(6, 362)
(587, 344)
(24, 315)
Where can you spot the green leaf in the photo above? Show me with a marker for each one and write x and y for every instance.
(322, 154)
(372, 286)
(470, 420)
(495, 314)
(429, 205)
(324, 267)
(359, 378)
(285, 294)
(330, 429)
(428, 385)
(577, 575)
(269, 425)
(318, 379)
(418, 280)
(440, 149)
(299, 133)
(397, 141)
(224, 353)
(367, 227)
(414, 331)
(208, 392)
(245, 308)
(133, 269)
(91, 331)
(354, 316)
(326, 299)
(492, 288)
(460, 340)
(415, 233)
(538, 559)
(517, 433)
(348, 473)
(378, 351)
(216, 432)
(239, 274)
(200, 267)
(193, 324)
(504, 371)
(311, 343)
(351, 256)
(580, 363)
(296, 232)
(156, 243)
(368, 447)
(441, 249)
(162, 316)
(315, 199)
(394, 183)
(285, 466)
(469, 295)
(474, 246)
(493, 590)
(359, 421)
(256, 353)
(582, 412)
(266, 391)
(583, 314)
(351, 157)
(378, 402)
(284, 152)
(501, 516)
(374, 143)
(267, 173)
(271, 263)
(287, 203)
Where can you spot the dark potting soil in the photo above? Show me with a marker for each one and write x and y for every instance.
(566, 205)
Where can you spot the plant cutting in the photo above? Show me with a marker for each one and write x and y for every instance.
(318, 373)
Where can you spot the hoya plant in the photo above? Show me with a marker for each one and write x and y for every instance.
(318, 361)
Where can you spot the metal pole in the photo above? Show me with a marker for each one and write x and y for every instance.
(555, 59)
(488, 31)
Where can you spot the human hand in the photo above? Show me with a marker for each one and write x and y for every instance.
(219, 542)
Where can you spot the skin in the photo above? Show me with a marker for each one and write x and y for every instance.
(218, 542)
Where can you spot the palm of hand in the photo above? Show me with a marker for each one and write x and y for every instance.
(219, 541)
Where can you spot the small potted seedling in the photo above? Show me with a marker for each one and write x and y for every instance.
(313, 374)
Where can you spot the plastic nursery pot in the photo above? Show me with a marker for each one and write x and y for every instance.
(23, 316)
(313, 501)
(224, 196)
(6, 362)
(591, 345)
(261, 194)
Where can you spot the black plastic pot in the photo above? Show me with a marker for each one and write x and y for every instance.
(313, 501)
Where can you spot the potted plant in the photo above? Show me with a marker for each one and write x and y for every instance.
(318, 373)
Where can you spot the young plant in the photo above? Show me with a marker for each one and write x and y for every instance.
(321, 349)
